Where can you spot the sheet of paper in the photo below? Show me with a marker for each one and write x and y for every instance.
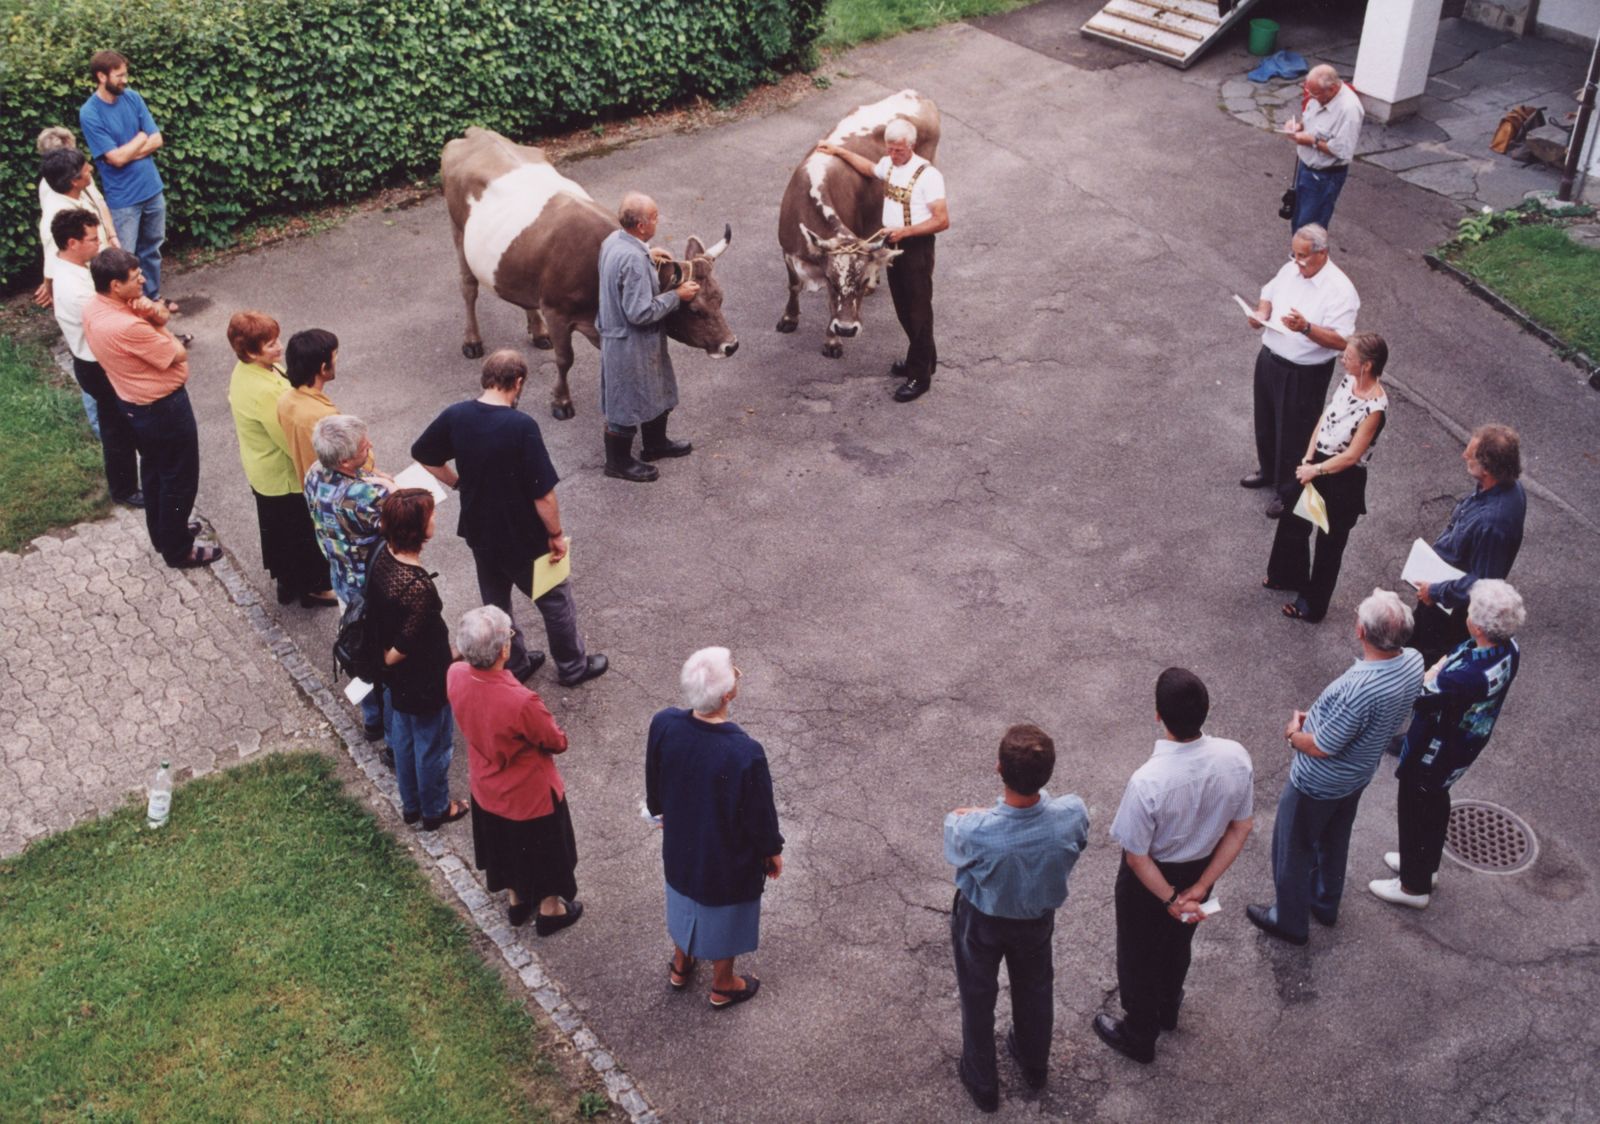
(415, 476)
(548, 575)
(1275, 324)
(1312, 507)
(1424, 565)
(356, 690)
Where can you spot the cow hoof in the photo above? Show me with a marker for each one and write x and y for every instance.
(562, 411)
(833, 350)
(543, 343)
(787, 325)
(472, 350)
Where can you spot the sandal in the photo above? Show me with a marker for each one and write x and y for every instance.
(1267, 583)
(452, 813)
(675, 975)
(1298, 610)
(198, 556)
(734, 998)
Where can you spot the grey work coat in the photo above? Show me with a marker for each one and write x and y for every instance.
(637, 383)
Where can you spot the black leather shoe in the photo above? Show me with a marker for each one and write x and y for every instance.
(593, 669)
(1254, 480)
(1034, 1078)
(132, 499)
(535, 662)
(1114, 1033)
(1259, 917)
(986, 1101)
(911, 390)
(1275, 508)
(544, 926)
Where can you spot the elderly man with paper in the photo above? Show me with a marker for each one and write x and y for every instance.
(509, 514)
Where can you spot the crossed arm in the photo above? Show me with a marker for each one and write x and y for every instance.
(143, 144)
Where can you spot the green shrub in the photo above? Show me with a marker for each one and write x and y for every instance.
(272, 105)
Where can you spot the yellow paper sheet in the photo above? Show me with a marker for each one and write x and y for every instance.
(1312, 508)
(547, 575)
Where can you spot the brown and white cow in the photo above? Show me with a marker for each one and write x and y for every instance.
(533, 236)
(831, 212)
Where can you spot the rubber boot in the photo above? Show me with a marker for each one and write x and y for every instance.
(655, 444)
(620, 462)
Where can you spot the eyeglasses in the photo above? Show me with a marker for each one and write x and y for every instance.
(1301, 259)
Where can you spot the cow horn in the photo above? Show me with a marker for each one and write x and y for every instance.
(715, 252)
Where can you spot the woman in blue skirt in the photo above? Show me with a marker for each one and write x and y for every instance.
(708, 782)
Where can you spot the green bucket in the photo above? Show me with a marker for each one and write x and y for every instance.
(1263, 37)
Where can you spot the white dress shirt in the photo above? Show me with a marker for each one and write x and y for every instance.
(74, 288)
(1178, 804)
(1338, 123)
(1327, 300)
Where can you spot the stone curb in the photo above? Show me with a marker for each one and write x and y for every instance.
(1579, 359)
(488, 917)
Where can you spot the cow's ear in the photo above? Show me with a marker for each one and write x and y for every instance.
(885, 254)
(815, 244)
(694, 249)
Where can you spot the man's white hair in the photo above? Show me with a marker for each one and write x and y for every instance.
(1324, 77)
(1315, 233)
(482, 635)
(706, 677)
(900, 130)
(1385, 620)
(1497, 608)
(337, 438)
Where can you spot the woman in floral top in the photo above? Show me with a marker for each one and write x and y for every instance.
(1335, 465)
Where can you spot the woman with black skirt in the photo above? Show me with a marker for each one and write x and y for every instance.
(521, 830)
(289, 549)
(1336, 465)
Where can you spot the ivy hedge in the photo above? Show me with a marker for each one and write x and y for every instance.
(272, 105)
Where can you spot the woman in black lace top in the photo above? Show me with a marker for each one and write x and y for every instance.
(407, 619)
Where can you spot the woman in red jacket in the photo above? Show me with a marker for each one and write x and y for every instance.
(521, 831)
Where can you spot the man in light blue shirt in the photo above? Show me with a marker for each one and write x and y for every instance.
(123, 138)
(1012, 861)
(1337, 745)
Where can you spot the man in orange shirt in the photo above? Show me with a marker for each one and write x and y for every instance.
(148, 368)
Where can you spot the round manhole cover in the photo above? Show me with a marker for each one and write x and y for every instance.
(1484, 836)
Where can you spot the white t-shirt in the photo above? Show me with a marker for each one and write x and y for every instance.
(52, 203)
(1344, 416)
(74, 288)
(1327, 300)
(929, 186)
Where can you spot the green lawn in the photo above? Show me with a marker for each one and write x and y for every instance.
(1544, 273)
(49, 460)
(857, 21)
(270, 954)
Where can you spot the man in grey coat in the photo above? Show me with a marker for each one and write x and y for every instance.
(637, 386)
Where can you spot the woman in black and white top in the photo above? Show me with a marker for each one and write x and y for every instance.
(1336, 465)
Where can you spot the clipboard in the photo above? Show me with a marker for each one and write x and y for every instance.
(547, 575)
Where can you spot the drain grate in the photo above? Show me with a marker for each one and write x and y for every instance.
(1484, 836)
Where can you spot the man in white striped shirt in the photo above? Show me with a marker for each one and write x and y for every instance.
(1337, 746)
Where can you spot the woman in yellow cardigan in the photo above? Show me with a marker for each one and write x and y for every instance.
(289, 548)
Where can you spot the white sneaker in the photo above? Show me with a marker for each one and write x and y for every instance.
(1391, 859)
(1389, 890)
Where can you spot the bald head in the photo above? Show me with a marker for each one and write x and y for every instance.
(1323, 81)
(638, 211)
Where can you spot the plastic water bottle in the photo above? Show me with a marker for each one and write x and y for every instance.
(160, 797)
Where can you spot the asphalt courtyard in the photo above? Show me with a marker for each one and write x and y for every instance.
(1035, 540)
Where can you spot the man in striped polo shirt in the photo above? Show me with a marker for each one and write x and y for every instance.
(1337, 746)
(1012, 860)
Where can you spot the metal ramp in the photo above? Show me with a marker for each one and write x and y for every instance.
(1175, 32)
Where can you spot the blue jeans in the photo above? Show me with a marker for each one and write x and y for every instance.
(423, 746)
(1316, 191)
(169, 469)
(141, 229)
(91, 410)
(1310, 847)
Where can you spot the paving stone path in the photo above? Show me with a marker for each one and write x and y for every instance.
(1476, 76)
(110, 661)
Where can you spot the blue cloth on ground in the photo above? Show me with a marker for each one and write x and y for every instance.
(1284, 64)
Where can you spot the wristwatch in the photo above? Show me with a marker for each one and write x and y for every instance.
(1174, 896)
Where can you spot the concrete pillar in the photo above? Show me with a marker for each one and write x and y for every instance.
(1392, 63)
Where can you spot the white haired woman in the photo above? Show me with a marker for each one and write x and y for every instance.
(708, 781)
(1450, 725)
(521, 830)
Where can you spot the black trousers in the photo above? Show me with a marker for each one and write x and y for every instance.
(1288, 405)
(1152, 948)
(116, 435)
(1424, 812)
(979, 943)
(169, 469)
(1436, 632)
(1291, 563)
(911, 286)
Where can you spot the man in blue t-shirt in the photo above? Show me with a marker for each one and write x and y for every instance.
(509, 513)
(123, 138)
